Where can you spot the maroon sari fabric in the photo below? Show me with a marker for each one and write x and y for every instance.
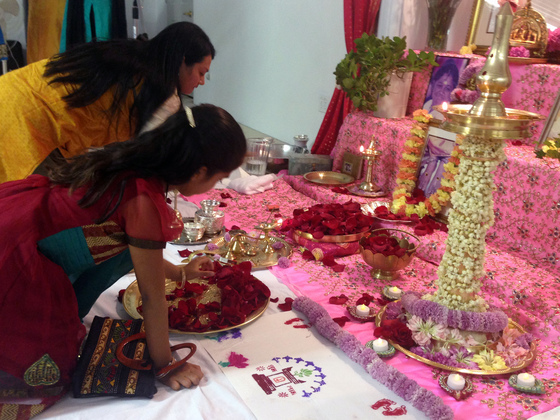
(38, 306)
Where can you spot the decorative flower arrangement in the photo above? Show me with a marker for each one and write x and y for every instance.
(481, 342)
(329, 219)
(233, 294)
(406, 177)
(408, 389)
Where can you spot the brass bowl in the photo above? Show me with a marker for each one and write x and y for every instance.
(387, 267)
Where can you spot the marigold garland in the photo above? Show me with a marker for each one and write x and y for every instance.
(408, 168)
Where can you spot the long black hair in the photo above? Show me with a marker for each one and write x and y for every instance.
(173, 153)
(96, 67)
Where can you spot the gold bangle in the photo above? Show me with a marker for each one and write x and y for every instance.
(181, 284)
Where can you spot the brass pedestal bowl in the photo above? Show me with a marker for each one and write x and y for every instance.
(386, 267)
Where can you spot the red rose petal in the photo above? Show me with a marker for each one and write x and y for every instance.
(307, 255)
(338, 300)
(341, 320)
(287, 305)
(185, 253)
(274, 300)
(338, 268)
(121, 295)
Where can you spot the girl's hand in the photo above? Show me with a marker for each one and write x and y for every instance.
(199, 267)
(186, 375)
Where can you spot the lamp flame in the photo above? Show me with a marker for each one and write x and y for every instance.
(444, 106)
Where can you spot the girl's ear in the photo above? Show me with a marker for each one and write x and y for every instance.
(200, 174)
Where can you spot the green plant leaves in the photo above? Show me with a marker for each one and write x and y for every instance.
(364, 73)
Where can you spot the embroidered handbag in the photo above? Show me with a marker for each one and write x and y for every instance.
(110, 367)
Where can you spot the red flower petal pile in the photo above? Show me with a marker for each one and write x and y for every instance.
(396, 331)
(241, 294)
(382, 244)
(329, 219)
(426, 226)
(382, 212)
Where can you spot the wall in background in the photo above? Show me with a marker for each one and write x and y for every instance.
(275, 60)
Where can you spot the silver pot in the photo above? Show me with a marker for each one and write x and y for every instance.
(213, 220)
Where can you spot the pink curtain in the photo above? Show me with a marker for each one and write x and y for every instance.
(359, 17)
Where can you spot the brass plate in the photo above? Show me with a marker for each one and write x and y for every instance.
(261, 259)
(132, 299)
(328, 178)
(529, 357)
(329, 238)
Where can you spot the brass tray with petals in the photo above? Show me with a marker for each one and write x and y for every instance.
(330, 238)
(526, 361)
(132, 299)
(328, 178)
(255, 248)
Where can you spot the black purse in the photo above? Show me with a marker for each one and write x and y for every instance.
(109, 367)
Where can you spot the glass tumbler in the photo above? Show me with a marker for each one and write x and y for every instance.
(257, 155)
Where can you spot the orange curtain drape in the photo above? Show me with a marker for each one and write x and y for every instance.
(359, 16)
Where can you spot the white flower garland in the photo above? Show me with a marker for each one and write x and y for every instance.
(462, 265)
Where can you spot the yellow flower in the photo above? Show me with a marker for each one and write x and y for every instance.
(412, 158)
(467, 49)
(487, 360)
(443, 196)
(418, 132)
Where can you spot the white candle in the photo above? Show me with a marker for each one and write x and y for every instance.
(394, 292)
(362, 310)
(380, 345)
(525, 380)
(456, 382)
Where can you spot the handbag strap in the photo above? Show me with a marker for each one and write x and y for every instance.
(146, 365)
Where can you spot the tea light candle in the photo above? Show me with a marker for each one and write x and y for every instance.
(526, 380)
(362, 310)
(456, 382)
(380, 345)
(394, 292)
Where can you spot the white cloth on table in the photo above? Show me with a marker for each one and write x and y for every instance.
(243, 183)
(214, 398)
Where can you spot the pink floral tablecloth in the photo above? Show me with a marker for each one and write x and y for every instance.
(523, 288)
(527, 196)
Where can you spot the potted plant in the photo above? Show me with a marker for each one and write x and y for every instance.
(365, 73)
